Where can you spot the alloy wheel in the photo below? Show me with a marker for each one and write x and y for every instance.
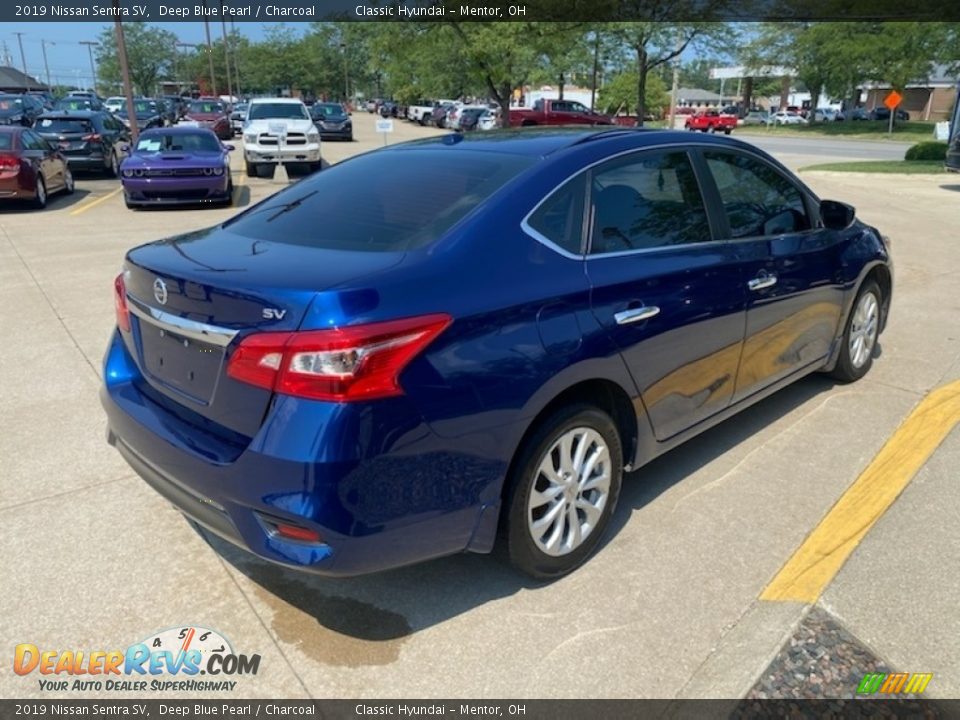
(570, 491)
(863, 329)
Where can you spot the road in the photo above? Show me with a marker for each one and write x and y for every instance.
(669, 607)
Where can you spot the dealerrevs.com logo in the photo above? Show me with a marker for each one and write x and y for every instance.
(170, 660)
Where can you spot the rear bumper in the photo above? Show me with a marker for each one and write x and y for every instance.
(94, 161)
(329, 134)
(316, 465)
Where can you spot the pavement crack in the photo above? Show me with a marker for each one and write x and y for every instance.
(82, 488)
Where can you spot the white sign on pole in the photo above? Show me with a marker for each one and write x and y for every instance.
(278, 128)
(384, 125)
(942, 131)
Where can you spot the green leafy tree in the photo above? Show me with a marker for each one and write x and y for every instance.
(149, 56)
(619, 94)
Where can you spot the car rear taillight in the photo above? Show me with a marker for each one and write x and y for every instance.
(9, 162)
(92, 137)
(360, 362)
(120, 303)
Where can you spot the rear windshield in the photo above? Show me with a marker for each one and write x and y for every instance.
(377, 202)
(289, 111)
(178, 142)
(74, 103)
(63, 125)
(206, 107)
(9, 104)
(327, 109)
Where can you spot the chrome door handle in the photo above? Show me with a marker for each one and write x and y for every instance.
(625, 317)
(764, 281)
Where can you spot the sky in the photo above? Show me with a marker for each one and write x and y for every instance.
(70, 61)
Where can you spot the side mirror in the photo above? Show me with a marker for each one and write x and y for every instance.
(836, 215)
(229, 148)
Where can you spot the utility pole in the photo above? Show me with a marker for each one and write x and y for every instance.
(233, 51)
(675, 86)
(125, 74)
(346, 77)
(226, 52)
(93, 67)
(213, 79)
(23, 58)
(7, 60)
(596, 67)
(46, 67)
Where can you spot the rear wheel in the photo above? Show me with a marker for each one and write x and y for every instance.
(251, 169)
(726, 131)
(114, 170)
(40, 195)
(266, 170)
(860, 336)
(562, 492)
(68, 184)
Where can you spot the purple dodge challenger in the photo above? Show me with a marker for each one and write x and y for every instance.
(177, 165)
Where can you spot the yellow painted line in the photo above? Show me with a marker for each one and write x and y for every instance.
(826, 549)
(95, 202)
(238, 181)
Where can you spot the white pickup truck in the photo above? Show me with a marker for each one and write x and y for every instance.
(420, 111)
(279, 130)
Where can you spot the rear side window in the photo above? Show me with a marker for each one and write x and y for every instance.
(560, 218)
(647, 200)
(758, 199)
(383, 201)
(64, 125)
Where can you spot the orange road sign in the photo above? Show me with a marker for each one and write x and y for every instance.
(892, 100)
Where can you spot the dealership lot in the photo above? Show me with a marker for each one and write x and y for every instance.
(669, 607)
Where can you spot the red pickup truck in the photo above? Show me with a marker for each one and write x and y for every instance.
(557, 112)
(711, 121)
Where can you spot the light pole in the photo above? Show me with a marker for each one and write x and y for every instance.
(236, 64)
(213, 79)
(46, 67)
(23, 58)
(226, 52)
(93, 68)
(125, 74)
(346, 76)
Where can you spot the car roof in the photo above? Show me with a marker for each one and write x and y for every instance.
(177, 130)
(541, 142)
(291, 101)
(71, 114)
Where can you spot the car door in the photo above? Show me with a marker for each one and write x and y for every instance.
(671, 296)
(794, 268)
(45, 158)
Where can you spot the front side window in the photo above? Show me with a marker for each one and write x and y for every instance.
(757, 198)
(645, 201)
(560, 218)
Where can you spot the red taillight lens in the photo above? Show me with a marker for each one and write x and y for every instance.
(295, 532)
(9, 162)
(120, 303)
(92, 137)
(360, 362)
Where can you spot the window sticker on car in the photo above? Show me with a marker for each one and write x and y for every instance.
(46, 123)
(149, 146)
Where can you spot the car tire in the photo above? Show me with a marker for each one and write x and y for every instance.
(40, 195)
(250, 169)
(68, 183)
(536, 547)
(727, 131)
(266, 170)
(316, 167)
(114, 169)
(860, 335)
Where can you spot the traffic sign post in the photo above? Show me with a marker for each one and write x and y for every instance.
(280, 130)
(384, 125)
(892, 101)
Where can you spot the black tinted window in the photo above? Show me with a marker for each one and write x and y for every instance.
(64, 125)
(377, 201)
(178, 142)
(646, 201)
(6, 141)
(758, 199)
(560, 217)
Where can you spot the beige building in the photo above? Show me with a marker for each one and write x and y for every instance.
(931, 99)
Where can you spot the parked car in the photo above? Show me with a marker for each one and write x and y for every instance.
(827, 115)
(19, 109)
(332, 120)
(787, 117)
(388, 108)
(30, 167)
(90, 140)
(279, 129)
(371, 106)
(883, 113)
(557, 112)
(114, 103)
(419, 111)
(147, 114)
(711, 121)
(439, 115)
(177, 165)
(859, 114)
(469, 118)
(756, 117)
(177, 103)
(488, 120)
(210, 114)
(331, 381)
(237, 117)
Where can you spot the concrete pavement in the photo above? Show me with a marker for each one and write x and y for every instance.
(669, 607)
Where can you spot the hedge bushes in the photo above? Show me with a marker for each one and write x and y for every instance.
(933, 150)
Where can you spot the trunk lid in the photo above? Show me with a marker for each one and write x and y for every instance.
(194, 297)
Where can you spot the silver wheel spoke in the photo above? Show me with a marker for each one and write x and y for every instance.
(573, 522)
(592, 512)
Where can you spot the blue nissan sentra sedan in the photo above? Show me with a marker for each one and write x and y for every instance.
(357, 374)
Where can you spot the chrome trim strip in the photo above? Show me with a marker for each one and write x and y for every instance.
(192, 329)
(525, 226)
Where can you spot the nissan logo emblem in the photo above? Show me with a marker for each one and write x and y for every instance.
(160, 291)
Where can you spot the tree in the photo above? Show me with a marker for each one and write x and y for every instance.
(620, 93)
(568, 56)
(654, 44)
(149, 56)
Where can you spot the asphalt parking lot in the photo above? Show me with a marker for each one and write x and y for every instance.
(670, 607)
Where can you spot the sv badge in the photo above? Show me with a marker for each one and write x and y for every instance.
(273, 314)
